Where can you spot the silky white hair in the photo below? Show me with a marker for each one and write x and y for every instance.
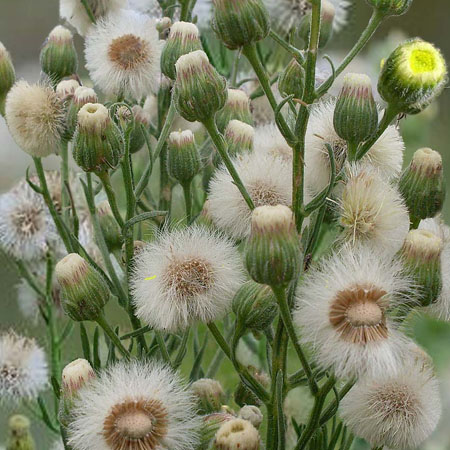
(134, 381)
(185, 276)
(345, 269)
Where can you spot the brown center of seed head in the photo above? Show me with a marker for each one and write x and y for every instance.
(28, 221)
(264, 196)
(395, 399)
(128, 51)
(136, 425)
(357, 313)
(190, 277)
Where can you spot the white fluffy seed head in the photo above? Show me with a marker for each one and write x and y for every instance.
(237, 434)
(440, 309)
(269, 141)
(23, 368)
(185, 276)
(75, 375)
(75, 13)
(397, 411)
(35, 118)
(343, 311)
(123, 53)
(386, 155)
(372, 211)
(268, 182)
(137, 405)
(26, 228)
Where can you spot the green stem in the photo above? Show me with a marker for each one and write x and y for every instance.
(106, 182)
(101, 320)
(60, 226)
(295, 53)
(88, 10)
(65, 180)
(251, 54)
(221, 147)
(331, 409)
(188, 200)
(389, 115)
(415, 222)
(235, 69)
(285, 312)
(372, 26)
(162, 347)
(29, 277)
(314, 419)
(143, 182)
(246, 377)
(298, 166)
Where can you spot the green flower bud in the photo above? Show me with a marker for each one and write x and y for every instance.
(98, 142)
(183, 39)
(240, 22)
(356, 114)
(251, 413)
(273, 248)
(66, 89)
(138, 246)
(19, 435)
(422, 184)
(74, 376)
(239, 137)
(84, 292)
(292, 80)
(141, 120)
(391, 7)
(255, 306)
(183, 158)
(421, 255)
(7, 76)
(237, 434)
(109, 226)
(328, 13)
(211, 424)
(243, 395)
(81, 97)
(413, 76)
(199, 90)
(58, 55)
(237, 107)
(209, 394)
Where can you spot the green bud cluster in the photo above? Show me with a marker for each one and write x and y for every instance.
(210, 395)
(58, 55)
(391, 7)
(292, 80)
(240, 22)
(183, 158)
(183, 39)
(273, 248)
(199, 90)
(98, 142)
(422, 184)
(84, 292)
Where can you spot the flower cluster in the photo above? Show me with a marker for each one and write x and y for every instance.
(220, 213)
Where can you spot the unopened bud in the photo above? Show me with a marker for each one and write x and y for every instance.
(183, 158)
(273, 248)
(141, 120)
(292, 80)
(211, 424)
(251, 413)
(210, 395)
(391, 7)
(237, 434)
(422, 184)
(75, 375)
(243, 395)
(239, 138)
(356, 114)
(163, 25)
(138, 246)
(19, 435)
(413, 76)
(199, 90)
(240, 22)
(183, 39)
(255, 306)
(236, 107)
(7, 76)
(110, 228)
(83, 290)
(328, 13)
(421, 255)
(98, 141)
(66, 88)
(58, 55)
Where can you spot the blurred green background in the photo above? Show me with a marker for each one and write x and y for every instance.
(24, 24)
